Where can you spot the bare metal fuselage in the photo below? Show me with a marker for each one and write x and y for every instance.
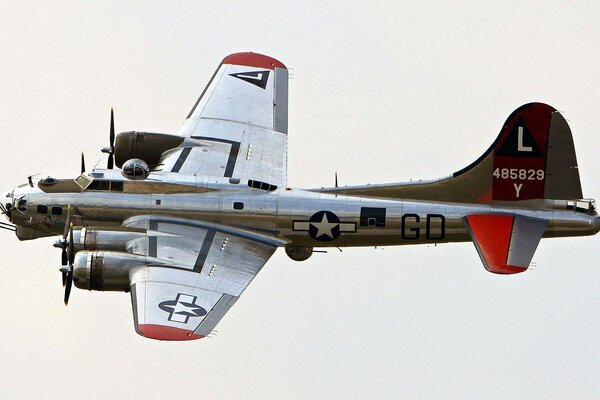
(293, 215)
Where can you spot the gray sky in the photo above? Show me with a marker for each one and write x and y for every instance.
(388, 91)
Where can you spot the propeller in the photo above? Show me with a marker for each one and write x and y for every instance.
(69, 275)
(82, 163)
(67, 268)
(67, 245)
(110, 150)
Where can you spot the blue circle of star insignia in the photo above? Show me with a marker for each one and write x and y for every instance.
(324, 226)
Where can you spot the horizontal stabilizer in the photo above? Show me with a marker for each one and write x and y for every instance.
(505, 243)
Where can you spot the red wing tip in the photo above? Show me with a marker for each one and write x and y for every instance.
(253, 60)
(160, 332)
(506, 269)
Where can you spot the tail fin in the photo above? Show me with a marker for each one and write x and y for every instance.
(533, 157)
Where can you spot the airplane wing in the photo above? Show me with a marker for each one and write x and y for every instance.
(238, 126)
(204, 269)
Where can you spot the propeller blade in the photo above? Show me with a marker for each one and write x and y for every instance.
(112, 128)
(82, 163)
(111, 162)
(64, 259)
(111, 153)
(68, 286)
(63, 271)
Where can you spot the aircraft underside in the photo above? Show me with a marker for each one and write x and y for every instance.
(190, 219)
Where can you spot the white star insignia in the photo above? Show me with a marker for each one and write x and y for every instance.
(324, 227)
(182, 308)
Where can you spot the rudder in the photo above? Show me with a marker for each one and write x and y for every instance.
(533, 157)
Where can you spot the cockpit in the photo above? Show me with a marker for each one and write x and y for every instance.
(87, 183)
(94, 181)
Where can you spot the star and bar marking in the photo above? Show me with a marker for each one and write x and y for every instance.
(182, 308)
(324, 226)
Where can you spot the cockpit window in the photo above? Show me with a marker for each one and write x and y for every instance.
(98, 184)
(22, 205)
(83, 181)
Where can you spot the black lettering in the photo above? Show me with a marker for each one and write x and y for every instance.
(439, 229)
(417, 230)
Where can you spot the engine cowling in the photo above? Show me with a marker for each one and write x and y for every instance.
(107, 270)
(143, 145)
(135, 169)
(90, 238)
(299, 253)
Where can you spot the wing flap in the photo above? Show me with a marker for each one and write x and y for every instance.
(505, 243)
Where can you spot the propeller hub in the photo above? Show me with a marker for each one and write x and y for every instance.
(60, 244)
(108, 150)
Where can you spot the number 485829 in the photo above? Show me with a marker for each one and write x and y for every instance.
(520, 174)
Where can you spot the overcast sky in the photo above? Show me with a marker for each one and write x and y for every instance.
(380, 91)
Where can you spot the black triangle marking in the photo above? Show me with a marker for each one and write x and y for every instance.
(257, 78)
(520, 143)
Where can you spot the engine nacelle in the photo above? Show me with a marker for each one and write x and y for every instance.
(135, 169)
(90, 238)
(299, 253)
(143, 145)
(107, 270)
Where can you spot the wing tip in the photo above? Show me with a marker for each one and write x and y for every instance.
(505, 269)
(250, 59)
(161, 332)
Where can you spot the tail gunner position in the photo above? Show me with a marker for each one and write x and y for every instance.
(191, 218)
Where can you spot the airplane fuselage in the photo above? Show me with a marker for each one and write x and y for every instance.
(301, 217)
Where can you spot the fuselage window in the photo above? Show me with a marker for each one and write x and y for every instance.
(116, 186)
(56, 210)
(261, 185)
(41, 209)
(238, 205)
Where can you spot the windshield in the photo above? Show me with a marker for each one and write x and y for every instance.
(83, 181)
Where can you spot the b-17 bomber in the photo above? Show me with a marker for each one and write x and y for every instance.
(184, 222)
